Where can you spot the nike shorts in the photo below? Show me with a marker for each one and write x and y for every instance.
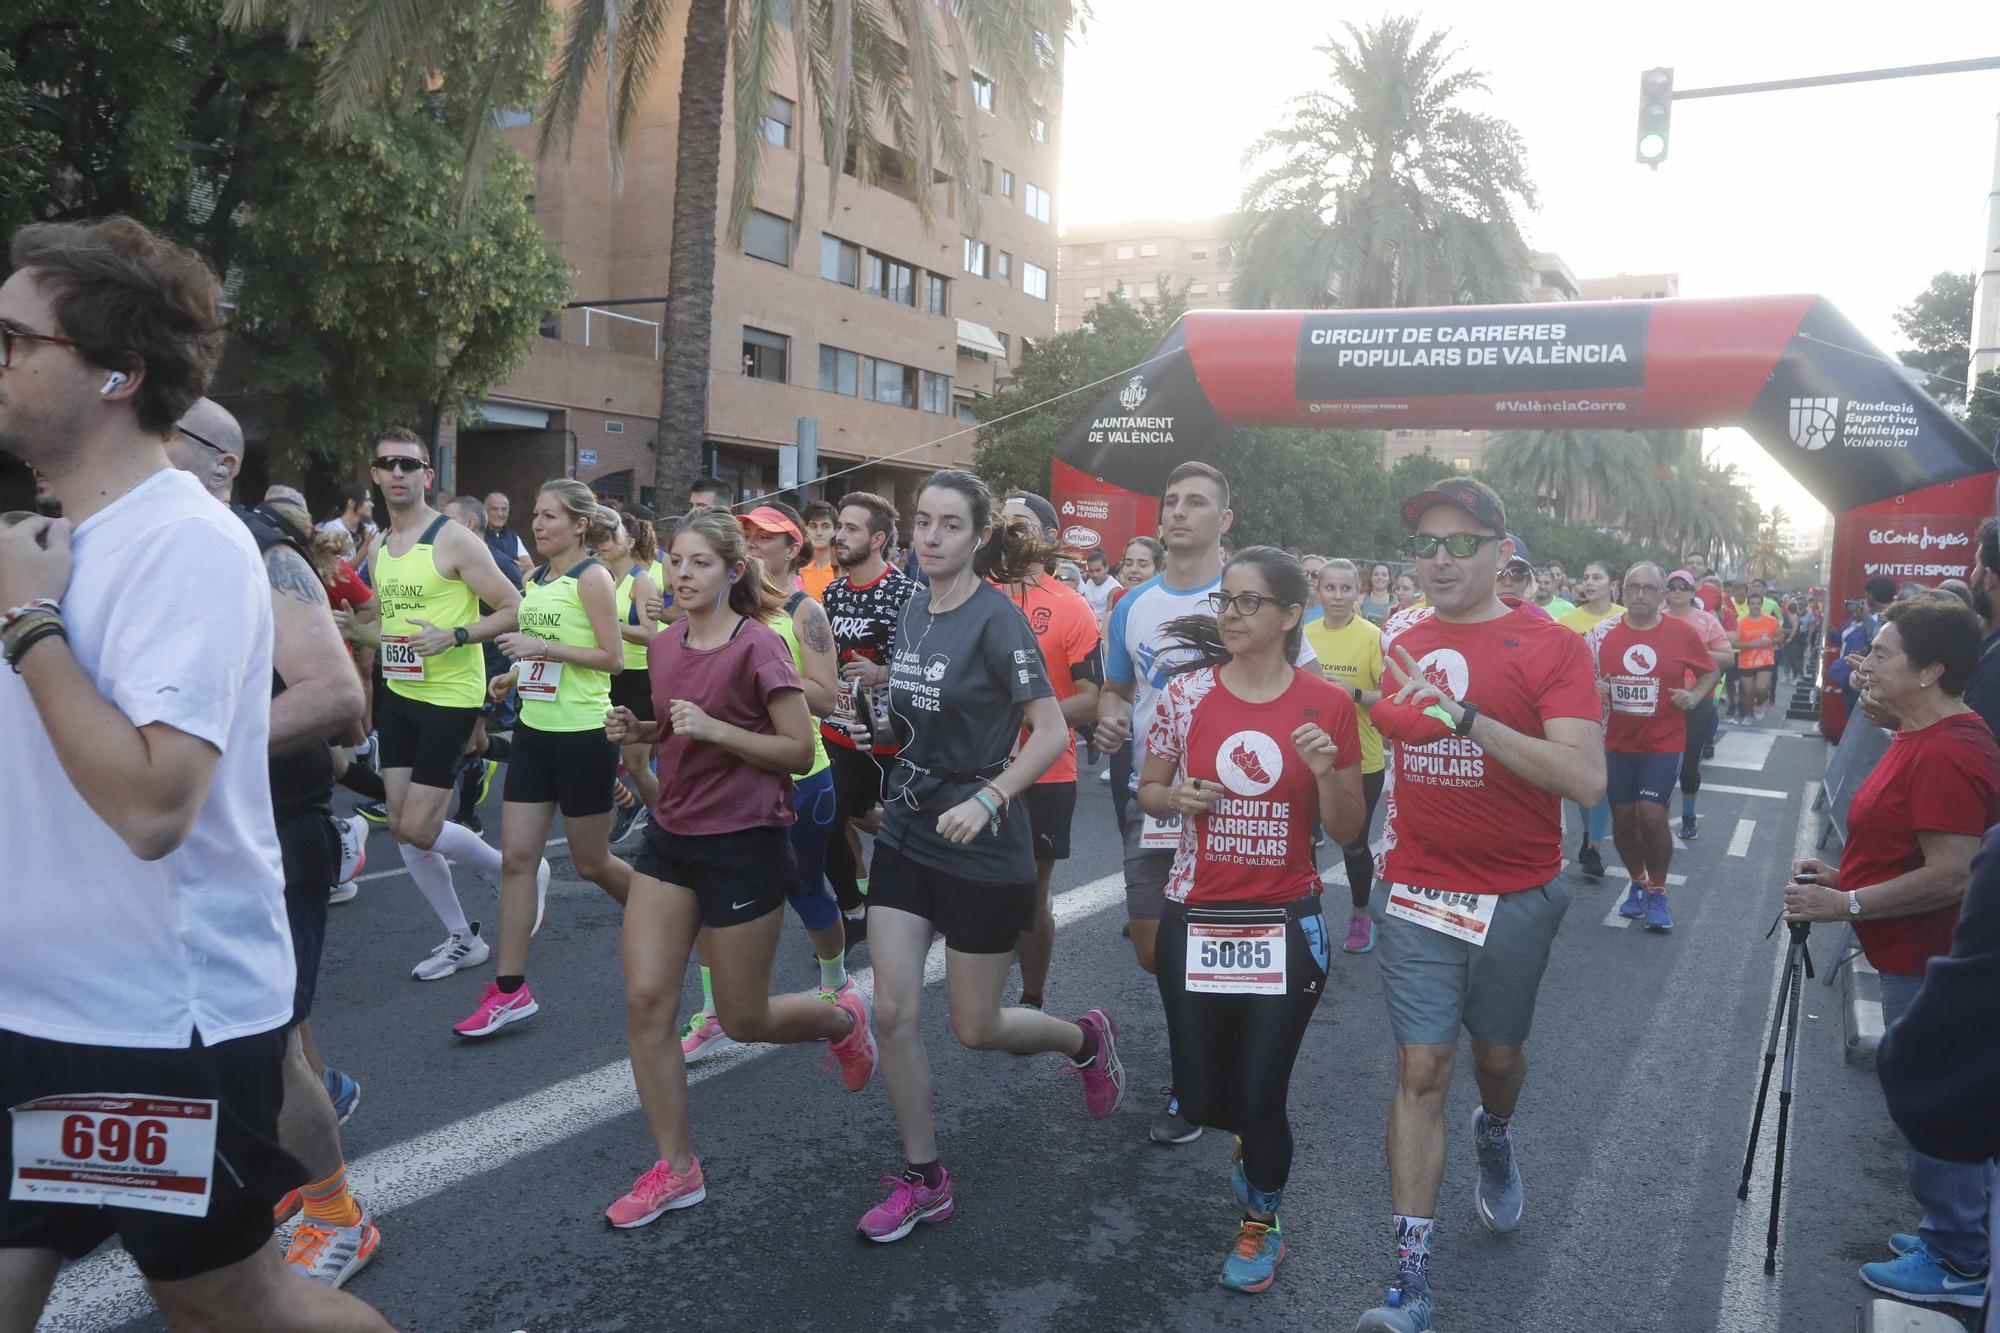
(736, 877)
(1436, 984)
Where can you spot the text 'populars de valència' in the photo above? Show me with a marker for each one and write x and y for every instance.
(1465, 345)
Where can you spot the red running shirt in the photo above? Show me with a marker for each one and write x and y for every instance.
(1456, 821)
(1642, 666)
(1257, 844)
(1942, 779)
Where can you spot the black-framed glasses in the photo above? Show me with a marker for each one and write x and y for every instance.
(9, 335)
(1462, 545)
(401, 464)
(204, 443)
(1246, 603)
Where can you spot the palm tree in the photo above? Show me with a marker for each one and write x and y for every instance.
(1569, 470)
(1768, 558)
(864, 66)
(1384, 190)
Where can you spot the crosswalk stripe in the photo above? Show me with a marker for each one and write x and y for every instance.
(1739, 842)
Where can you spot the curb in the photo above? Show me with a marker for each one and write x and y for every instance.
(1860, 1012)
(1880, 1316)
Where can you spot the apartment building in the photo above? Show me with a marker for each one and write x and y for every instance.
(852, 316)
(1195, 252)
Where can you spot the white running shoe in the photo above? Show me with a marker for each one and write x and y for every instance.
(332, 1254)
(353, 848)
(342, 893)
(541, 896)
(456, 952)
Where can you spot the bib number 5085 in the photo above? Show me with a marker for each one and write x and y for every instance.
(1232, 954)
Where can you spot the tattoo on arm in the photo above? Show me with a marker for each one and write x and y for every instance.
(293, 577)
(818, 635)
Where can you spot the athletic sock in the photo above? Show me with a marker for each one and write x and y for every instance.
(1090, 1044)
(930, 1173)
(832, 972)
(510, 983)
(707, 991)
(1656, 886)
(861, 886)
(1413, 1247)
(1687, 807)
(431, 874)
(1496, 1126)
(329, 1200)
(462, 846)
(1031, 999)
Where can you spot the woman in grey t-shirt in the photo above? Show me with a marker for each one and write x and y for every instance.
(955, 856)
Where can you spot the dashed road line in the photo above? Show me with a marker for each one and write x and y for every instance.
(1739, 842)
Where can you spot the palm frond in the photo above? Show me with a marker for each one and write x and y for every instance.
(388, 36)
(583, 43)
(642, 39)
(753, 56)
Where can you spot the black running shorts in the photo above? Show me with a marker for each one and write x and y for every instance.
(736, 877)
(974, 916)
(572, 770)
(425, 738)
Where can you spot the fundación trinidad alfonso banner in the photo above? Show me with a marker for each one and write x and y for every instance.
(1846, 421)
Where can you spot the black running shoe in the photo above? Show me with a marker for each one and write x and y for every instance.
(1591, 861)
(375, 812)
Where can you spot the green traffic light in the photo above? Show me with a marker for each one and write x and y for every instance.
(1652, 147)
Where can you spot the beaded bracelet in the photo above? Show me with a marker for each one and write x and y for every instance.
(18, 647)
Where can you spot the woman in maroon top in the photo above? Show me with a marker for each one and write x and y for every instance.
(717, 861)
(1912, 831)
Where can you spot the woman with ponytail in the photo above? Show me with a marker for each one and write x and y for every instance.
(955, 855)
(629, 554)
(566, 653)
(1244, 751)
(716, 862)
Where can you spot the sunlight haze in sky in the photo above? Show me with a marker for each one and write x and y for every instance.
(1858, 193)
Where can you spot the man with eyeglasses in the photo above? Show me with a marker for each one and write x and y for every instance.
(430, 575)
(1497, 717)
(1652, 671)
(1139, 656)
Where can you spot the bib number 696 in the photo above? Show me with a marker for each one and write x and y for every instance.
(114, 1139)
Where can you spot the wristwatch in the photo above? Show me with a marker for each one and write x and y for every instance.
(461, 636)
(1466, 717)
(1355, 690)
(1853, 904)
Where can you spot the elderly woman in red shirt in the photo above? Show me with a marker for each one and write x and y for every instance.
(1912, 831)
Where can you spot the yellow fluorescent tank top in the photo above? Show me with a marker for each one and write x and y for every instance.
(551, 608)
(635, 653)
(411, 589)
(782, 623)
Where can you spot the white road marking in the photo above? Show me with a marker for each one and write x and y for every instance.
(1749, 750)
(1745, 791)
(404, 870)
(1749, 1301)
(105, 1290)
(1739, 842)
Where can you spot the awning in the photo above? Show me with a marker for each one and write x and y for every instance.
(978, 338)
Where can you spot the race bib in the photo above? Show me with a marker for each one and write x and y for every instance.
(1159, 835)
(400, 659)
(1231, 959)
(117, 1150)
(539, 680)
(1463, 916)
(1634, 695)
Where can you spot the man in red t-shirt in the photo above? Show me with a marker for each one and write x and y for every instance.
(1643, 660)
(1496, 716)
(1066, 632)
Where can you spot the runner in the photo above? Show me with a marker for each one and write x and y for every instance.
(1349, 649)
(1194, 515)
(629, 555)
(709, 493)
(1643, 660)
(146, 943)
(1098, 585)
(1380, 600)
(1245, 738)
(1546, 596)
(861, 606)
(1474, 810)
(1682, 606)
(954, 857)
(430, 575)
(716, 863)
(1144, 557)
(1759, 631)
(1598, 588)
(821, 520)
(774, 538)
(1408, 592)
(1065, 629)
(565, 654)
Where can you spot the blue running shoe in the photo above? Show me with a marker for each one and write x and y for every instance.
(344, 1091)
(1253, 1264)
(1658, 917)
(1634, 905)
(1497, 1194)
(1920, 1276)
(1903, 1242)
(1409, 1308)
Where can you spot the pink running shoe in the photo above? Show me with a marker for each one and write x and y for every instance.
(1360, 934)
(854, 1052)
(702, 1036)
(658, 1191)
(1104, 1077)
(910, 1201)
(496, 1010)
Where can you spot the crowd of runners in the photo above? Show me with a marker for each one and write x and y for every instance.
(736, 714)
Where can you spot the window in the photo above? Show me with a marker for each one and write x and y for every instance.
(839, 261)
(1198, 289)
(1003, 268)
(1006, 183)
(1226, 252)
(982, 91)
(839, 371)
(1198, 252)
(507, 118)
(1222, 288)
(528, 202)
(937, 393)
(975, 257)
(986, 175)
(1092, 293)
(1038, 202)
(934, 294)
(1035, 281)
(1146, 291)
(892, 280)
(888, 382)
(1128, 251)
(1093, 254)
(1045, 50)
(1462, 464)
(766, 355)
(1148, 250)
(966, 414)
(769, 237)
(778, 121)
(1038, 128)
(1006, 343)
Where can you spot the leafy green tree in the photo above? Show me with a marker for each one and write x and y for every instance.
(26, 148)
(1982, 417)
(1938, 324)
(1566, 469)
(1383, 189)
(1311, 490)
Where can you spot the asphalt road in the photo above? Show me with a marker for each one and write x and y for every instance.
(489, 1165)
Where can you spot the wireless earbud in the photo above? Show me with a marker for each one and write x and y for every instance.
(116, 380)
(733, 576)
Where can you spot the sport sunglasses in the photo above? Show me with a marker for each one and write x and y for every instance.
(401, 464)
(1462, 545)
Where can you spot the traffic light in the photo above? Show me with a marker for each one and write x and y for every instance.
(1656, 109)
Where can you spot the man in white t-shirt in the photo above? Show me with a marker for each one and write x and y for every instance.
(1098, 585)
(148, 972)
